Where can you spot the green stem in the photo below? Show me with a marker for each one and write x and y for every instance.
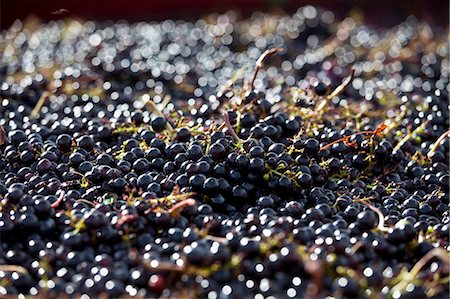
(409, 136)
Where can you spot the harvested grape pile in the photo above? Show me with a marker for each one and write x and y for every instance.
(273, 157)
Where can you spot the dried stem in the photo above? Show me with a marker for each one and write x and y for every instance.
(86, 202)
(356, 247)
(216, 239)
(437, 143)
(42, 99)
(125, 219)
(154, 108)
(3, 137)
(165, 101)
(440, 253)
(337, 91)
(158, 111)
(220, 128)
(162, 266)
(13, 268)
(59, 200)
(178, 207)
(226, 119)
(316, 270)
(380, 215)
(260, 62)
(343, 85)
(378, 131)
(154, 265)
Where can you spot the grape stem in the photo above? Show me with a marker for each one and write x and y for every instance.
(178, 207)
(42, 99)
(316, 270)
(13, 268)
(260, 62)
(437, 143)
(227, 122)
(440, 253)
(158, 112)
(356, 247)
(3, 137)
(86, 202)
(337, 91)
(378, 131)
(155, 265)
(125, 219)
(409, 136)
(217, 239)
(59, 200)
(380, 215)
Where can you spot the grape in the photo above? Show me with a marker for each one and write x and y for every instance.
(149, 160)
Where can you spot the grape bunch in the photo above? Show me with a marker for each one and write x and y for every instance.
(280, 156)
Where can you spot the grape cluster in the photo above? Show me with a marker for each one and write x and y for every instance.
(274, 157)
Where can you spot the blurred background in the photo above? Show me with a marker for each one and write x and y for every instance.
(381, 13)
